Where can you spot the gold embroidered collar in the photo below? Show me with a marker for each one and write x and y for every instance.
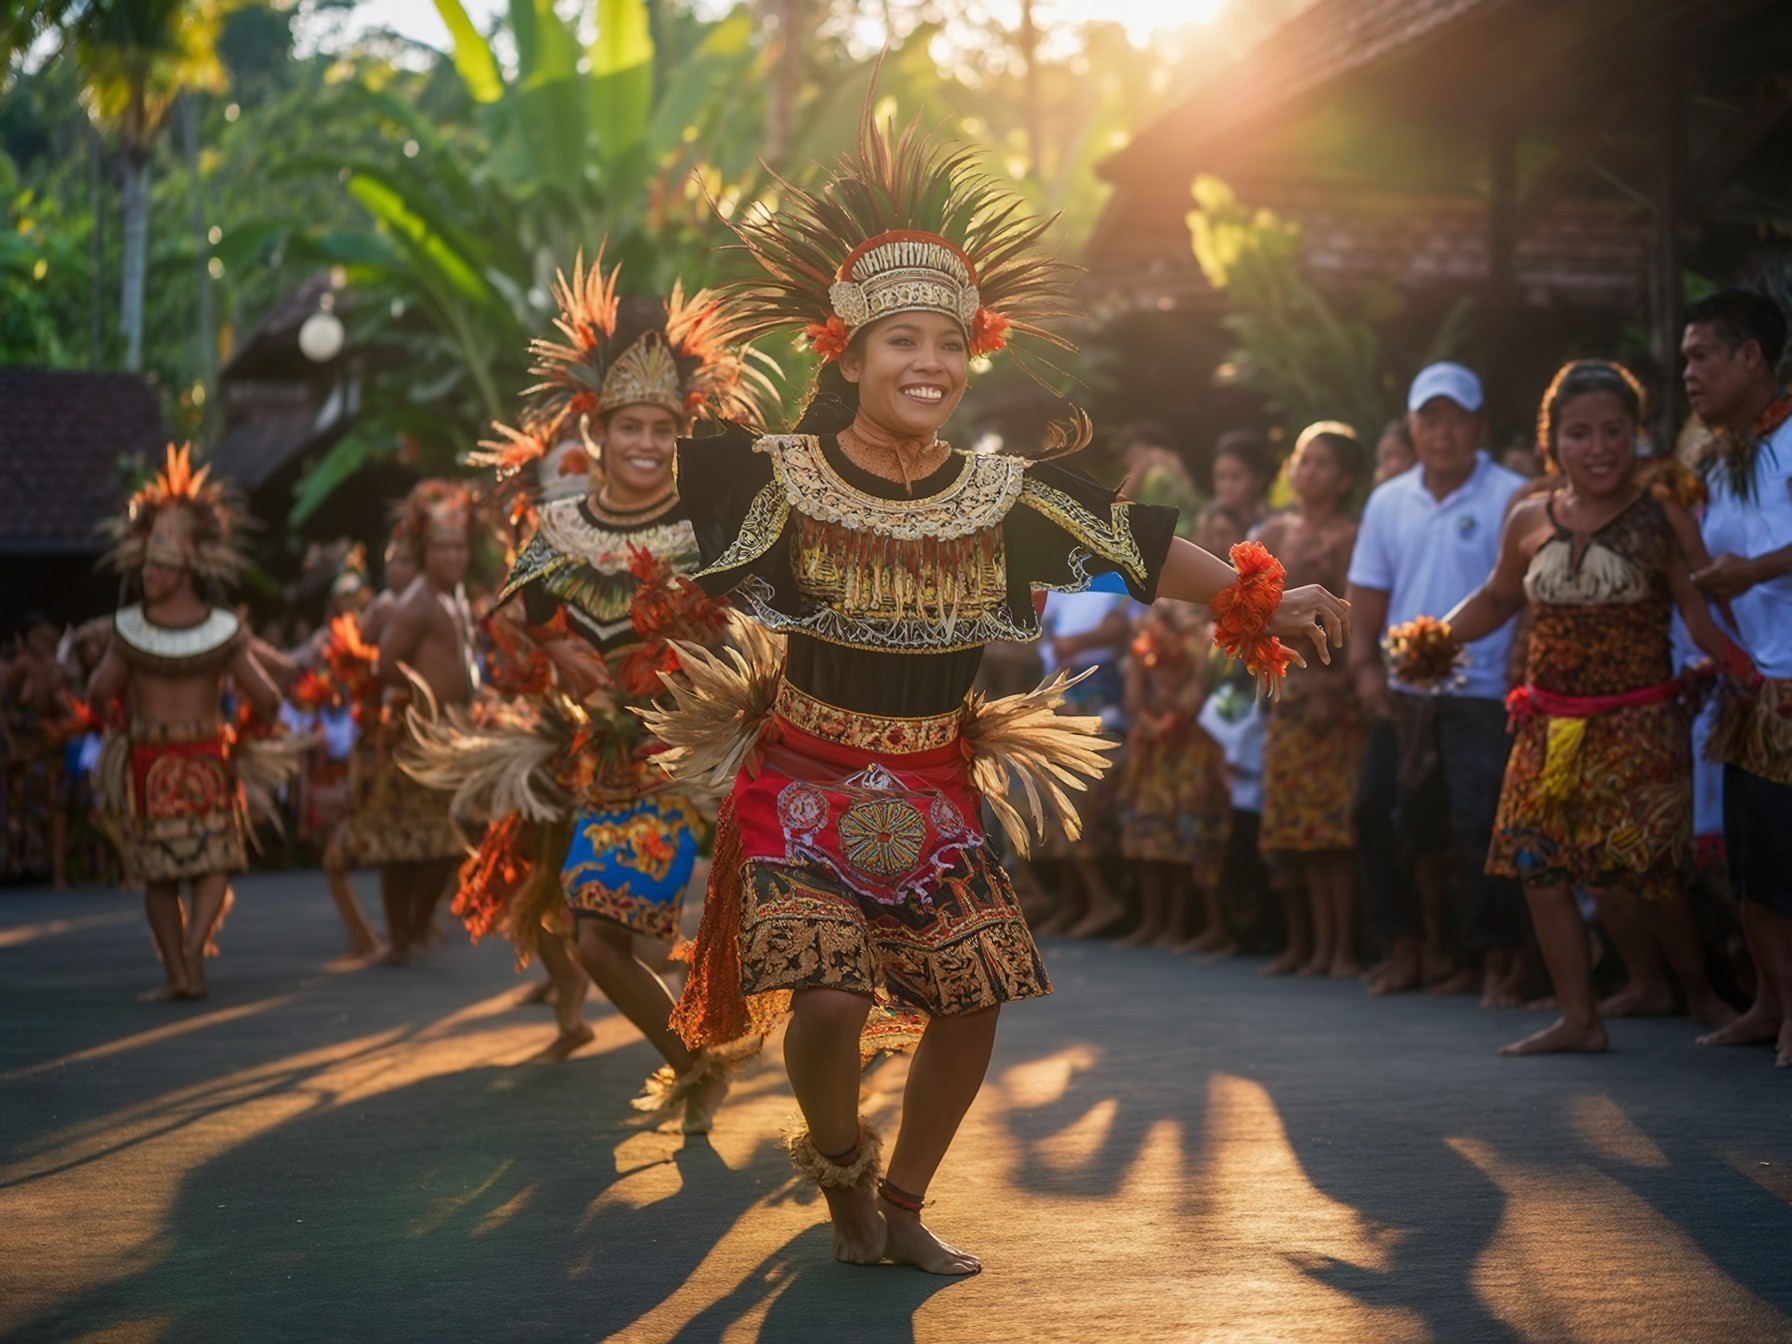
(168, 642)
(978, 499)
(606, 549)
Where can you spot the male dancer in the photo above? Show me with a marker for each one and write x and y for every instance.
(177, 798)
(398, 825)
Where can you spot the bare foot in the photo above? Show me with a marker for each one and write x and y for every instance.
(1314, 967)
(1547, 1004)
(1140, 937)
(1500, 995)
(910, 1243)
(395, 955)
(701, 1105)
(569, 1041)
(542, 991)
(1437, 966)
(1560, 1036)
(1286, 964)
(1211, 941)
(1053, 924)
(1345, 969)
(1463, 981)
(1710, 1011)
(860, 1236)
(1098, 921)
(1166, 940)
(1400, 975)
(1639, 1001)
(171, 992)
(1752, 1028)
(354, 958)
(195, 979)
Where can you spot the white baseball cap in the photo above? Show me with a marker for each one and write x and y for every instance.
(1445, 379)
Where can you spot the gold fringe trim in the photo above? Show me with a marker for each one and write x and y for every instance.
(808, 1161)
(720, 702)
(1022, 740)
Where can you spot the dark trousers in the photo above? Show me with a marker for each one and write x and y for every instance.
(1431, 778)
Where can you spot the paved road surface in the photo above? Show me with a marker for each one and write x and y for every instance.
(1165, 1151)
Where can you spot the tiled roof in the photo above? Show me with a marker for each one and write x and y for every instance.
(61, 438)
(1581, 254)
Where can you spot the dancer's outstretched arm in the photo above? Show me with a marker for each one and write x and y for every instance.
(1309, 612)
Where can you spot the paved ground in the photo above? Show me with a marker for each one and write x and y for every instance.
(1165, 1151)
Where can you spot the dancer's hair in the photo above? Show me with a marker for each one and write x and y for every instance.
(1577, 379)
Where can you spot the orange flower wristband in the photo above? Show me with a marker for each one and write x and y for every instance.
(1242, 612)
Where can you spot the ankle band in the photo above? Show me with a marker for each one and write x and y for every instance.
(902, 1199)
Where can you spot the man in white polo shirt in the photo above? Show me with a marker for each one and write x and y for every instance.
(1428, 539)
(1733, 343)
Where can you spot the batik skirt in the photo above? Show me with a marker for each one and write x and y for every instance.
(631, 862)
(840, 865)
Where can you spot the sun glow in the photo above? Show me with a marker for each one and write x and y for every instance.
(1140, 18)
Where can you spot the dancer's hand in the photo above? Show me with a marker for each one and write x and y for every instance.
(1311, 613)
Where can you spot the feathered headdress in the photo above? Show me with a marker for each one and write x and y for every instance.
(183, 519)
(908, 224)
(435, 510)
(683, 354)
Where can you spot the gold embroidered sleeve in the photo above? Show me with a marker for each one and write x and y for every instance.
(1110, 538)
(759, 531)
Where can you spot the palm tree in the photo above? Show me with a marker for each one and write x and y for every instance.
(137, 58)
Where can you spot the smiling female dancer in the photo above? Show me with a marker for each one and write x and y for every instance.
(628, 375)
(850, 871)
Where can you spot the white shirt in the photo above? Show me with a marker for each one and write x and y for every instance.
(1428, 554)
(1069, 614)
(1751, 527)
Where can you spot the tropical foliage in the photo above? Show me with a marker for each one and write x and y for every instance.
(1309, 358)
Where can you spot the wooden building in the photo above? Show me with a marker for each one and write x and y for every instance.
(69, 444)
(1564, 163)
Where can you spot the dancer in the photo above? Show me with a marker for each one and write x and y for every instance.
(1598, 789)
(427, 642)
(349, 650)
(600, 568)
(850, 872)
(172, 783)
(1314, 749)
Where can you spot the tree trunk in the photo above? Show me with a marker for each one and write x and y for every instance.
(135, 170)
(206, 332)
(786, 76)
(1029, 55)
(96, 282)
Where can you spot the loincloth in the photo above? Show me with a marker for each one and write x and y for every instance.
(392, 818)
(185, 816)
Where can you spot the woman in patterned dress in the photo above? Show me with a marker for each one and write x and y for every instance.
(1315, 745)
(1598, 789)
(1171, 833)
(850, 872)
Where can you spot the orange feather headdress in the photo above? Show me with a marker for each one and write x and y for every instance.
(183, 519)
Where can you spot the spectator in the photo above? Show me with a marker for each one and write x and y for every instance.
(1733, 343)
(1243, 467)
(1314, 749)
(1427, 540)
(1598, 790)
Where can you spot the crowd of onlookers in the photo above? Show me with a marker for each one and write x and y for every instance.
(1346, 828)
